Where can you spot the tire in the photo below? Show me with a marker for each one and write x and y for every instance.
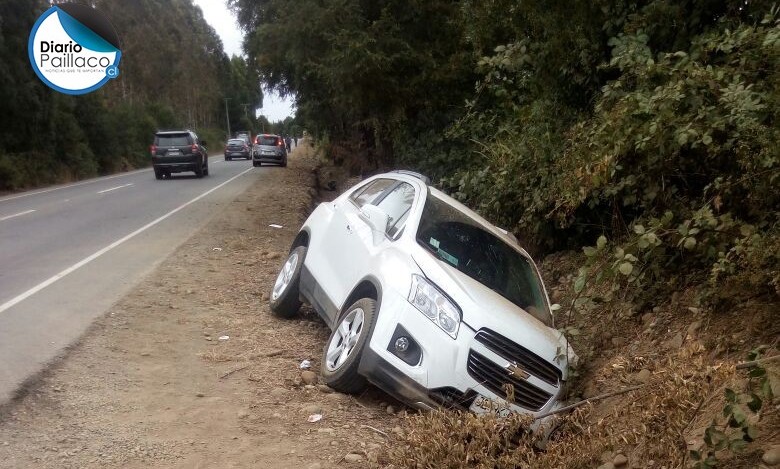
(284, 163)
(227, 158)
(158, 174)
(257, 164)
(285, 299)
(199, 170)
(206, 171)
(340, 371)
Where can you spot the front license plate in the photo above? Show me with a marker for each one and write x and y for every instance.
(485, 405)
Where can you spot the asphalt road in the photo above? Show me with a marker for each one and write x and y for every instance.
(67, 253)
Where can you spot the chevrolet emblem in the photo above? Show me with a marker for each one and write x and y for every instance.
(515, 370)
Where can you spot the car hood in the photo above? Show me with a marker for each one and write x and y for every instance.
(484, 308)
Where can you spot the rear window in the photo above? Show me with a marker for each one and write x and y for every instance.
(266, 140)
(172, 140)
(235, 142)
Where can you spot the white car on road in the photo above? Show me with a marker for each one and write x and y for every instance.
(425, 299)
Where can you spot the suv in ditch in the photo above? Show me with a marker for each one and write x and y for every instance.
(176, 151)
(425, 299)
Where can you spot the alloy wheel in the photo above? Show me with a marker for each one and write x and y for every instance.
(285, 276)
(344, 338)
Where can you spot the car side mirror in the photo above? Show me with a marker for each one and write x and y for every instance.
(376, 218)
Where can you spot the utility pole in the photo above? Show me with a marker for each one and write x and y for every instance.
(227, 117)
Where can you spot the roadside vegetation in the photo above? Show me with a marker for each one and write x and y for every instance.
(634, 144)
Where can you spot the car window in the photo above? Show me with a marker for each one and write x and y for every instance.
(397, 204)
(459, 241)
(371, 191)
(173, 140)
(235, 142)
(266, 140)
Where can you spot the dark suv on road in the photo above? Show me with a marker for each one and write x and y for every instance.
(176, 151)
(237, 148)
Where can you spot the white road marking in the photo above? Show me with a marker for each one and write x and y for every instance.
(18, 299)
(16, 215)
(115, 188)
(91, 181)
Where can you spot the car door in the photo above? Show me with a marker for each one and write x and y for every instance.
(340, 256)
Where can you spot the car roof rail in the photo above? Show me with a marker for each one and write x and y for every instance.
(417, 175)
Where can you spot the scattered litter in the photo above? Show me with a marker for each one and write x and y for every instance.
(216, 249)
(274, 225)
(305, 365)
(314, 418)
(223, 338)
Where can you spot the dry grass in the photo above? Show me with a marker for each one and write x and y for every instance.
(654, 423)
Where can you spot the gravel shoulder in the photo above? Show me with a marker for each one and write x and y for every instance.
(156, 383)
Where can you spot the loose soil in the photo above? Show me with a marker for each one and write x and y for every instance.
(192, 370)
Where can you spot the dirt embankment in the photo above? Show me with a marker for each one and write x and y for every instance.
(192, 370)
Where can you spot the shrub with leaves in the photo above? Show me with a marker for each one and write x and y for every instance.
(682, 155)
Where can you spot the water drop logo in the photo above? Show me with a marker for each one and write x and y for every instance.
(74, 49)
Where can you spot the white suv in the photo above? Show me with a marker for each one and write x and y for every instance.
(425, 299)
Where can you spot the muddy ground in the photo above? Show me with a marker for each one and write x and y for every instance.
(157, 382)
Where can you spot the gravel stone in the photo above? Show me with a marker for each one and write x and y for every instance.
(771, 456)
(324, 388)
(643, 376)
(309, 377)
(675, 342)
(353, 457)
(620, 460)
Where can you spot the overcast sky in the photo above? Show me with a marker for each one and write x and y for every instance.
(222, 20)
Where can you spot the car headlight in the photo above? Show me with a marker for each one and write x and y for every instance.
(430, 301)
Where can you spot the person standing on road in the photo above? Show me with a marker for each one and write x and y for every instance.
(295, 139)
(287, 142)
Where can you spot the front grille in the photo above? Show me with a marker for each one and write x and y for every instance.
(524, 358)
(494, 377)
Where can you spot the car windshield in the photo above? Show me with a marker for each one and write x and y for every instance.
(173, 140)
(265, 140)
(459, 241)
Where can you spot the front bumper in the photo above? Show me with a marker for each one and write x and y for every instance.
(445, 375)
